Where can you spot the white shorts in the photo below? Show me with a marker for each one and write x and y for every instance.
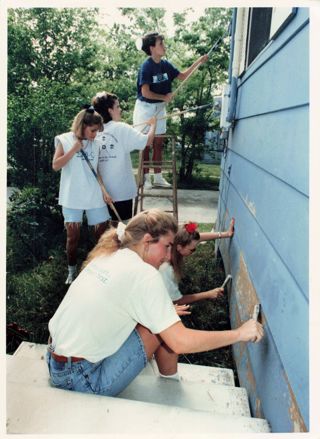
(143, 111)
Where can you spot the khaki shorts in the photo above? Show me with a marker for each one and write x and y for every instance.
(143, 111)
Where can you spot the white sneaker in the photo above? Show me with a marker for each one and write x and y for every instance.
(160, 181)
(147, 182)
(71, 275)
(175, 376)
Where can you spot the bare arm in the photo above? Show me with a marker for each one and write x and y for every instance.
(60, 158)
(153, 123)
(147, 93)
(209, 236)
(183, 75)
(183, 340)
(191, 298)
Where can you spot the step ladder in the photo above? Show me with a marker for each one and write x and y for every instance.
(204, 401)
(157, 191)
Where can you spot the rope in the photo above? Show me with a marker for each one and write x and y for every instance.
(177, 113)
(227, 32)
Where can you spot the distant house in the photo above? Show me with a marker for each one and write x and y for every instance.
(264, 185)
(211, 153)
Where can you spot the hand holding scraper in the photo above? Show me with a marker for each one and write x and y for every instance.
(227, 279)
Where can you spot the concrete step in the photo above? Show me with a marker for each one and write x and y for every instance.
(27, 370)
(213, 398)
(202, 374)
(187, 372)
(45, 410)
(148, 387)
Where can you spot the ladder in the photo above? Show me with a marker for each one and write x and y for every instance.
(164, 164)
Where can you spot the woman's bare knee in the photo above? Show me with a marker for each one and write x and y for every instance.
(73, 235)
(150, 341)
(73, 229)
(167, 360)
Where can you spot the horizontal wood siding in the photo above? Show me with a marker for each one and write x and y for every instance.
(264, 185)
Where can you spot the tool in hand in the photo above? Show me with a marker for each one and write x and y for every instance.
(256, 311)
(213, 48)
(100, 182)
(177, 113)
(227, 279)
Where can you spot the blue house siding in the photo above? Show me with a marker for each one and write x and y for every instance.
(264, 185)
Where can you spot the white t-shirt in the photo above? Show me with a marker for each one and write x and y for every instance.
(169, 279)
(104, 304)
(117, 140)
(79, 188)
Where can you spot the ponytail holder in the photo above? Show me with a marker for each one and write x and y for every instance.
(88, 108)
(139, 43)
(121, 228)
(191, 227)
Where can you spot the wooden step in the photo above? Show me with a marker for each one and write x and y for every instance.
(45, 410)
(187, 372)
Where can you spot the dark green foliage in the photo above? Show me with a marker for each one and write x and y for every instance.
(203, 271)
(33, 296)
(34, 227)
(51, 65)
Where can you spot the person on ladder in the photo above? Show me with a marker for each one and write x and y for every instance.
(154, 81)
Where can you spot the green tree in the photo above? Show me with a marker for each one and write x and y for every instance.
(52, 63)
(193, 41)
(186, 45)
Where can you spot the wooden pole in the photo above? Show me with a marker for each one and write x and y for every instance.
(100, 183)
(177, 113)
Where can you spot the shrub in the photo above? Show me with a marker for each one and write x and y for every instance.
(32, 298)
(34, 224)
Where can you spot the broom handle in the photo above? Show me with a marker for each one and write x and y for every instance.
(100, 183)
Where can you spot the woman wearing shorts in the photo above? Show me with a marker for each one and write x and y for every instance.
(79, 190)
(154, 81)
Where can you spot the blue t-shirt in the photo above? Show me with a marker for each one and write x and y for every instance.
(158, 75)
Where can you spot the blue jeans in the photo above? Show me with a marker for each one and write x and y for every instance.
(106, 377)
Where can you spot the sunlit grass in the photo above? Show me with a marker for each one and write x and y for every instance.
(204, 176)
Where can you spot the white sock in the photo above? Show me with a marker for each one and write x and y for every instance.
(72, 269)
(175, 376)
(147, 177)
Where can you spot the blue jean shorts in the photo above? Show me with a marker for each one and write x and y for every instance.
(106, 377)
(94, 216)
